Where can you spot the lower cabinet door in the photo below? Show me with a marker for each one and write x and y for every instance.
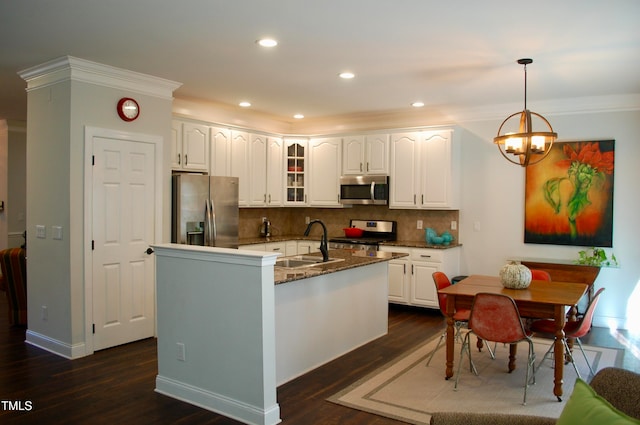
(398, 281)
(423, 290)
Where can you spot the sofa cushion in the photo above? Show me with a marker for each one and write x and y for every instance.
(586, 407)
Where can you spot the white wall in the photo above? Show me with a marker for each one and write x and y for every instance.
(493, 197)
(58, 111)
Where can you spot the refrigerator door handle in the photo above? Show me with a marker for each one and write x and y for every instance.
(214, 229)
(207, 223)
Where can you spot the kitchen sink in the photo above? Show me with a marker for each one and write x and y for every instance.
(298, 261)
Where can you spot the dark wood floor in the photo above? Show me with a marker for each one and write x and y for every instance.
(116, 386)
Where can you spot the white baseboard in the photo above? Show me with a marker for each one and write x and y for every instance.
(217, 403)
(54, 346)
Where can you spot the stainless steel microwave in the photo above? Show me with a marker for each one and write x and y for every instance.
(364, 190)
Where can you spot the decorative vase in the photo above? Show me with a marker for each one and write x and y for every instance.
(514, 275)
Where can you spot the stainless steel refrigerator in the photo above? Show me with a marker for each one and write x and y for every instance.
(205, 210)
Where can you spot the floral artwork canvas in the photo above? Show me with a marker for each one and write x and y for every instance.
(569, 195)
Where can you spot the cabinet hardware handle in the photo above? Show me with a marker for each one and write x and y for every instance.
(276, 249)
(367, 167)
(265, 198)
(178, 159)
(269, 198)
(422, 201)
(414, 199)
(425, 256)
(361, 166)
(412, 269)
(186, 161)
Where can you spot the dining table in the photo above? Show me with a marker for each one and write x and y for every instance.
(540, 300)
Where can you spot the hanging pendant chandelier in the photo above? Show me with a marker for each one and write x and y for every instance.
(517, 140)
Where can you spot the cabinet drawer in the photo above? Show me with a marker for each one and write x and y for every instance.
(430, 255)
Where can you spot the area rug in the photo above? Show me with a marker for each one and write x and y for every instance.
(407, 390)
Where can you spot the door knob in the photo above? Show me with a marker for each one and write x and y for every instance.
(149, 251)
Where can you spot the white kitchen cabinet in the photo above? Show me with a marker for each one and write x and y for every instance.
(220, 161)
(257, 170)
(240, 162)
(399, 280)
(296, 163)
(189, 146)
(308, 247)
(287, 248)
(275, 171)
(410, 278)
(253, 247)
(276, 247)
(365, 154)
(424, 170)
(325, 157)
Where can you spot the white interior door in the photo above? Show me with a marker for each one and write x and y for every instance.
(123, 217)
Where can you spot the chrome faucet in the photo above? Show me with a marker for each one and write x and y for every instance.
(323, 242)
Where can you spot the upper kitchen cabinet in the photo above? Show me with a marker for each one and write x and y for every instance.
(275, 171)
(266, 170)
(189, 147)
(325, 157)
(365, 154)
(424, 170)
(220, 162)
(240, 162)
(296, 164)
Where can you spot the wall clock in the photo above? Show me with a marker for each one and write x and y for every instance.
(128, 109)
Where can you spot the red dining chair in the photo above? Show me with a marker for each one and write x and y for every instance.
(575, 330)
(460, 317)
(495, 317)
(537, 274)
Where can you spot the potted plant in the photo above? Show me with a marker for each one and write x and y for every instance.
(596, 257)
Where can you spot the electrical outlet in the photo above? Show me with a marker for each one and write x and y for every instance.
(419, 224)
(307, 220)
(181, 351)
(45, 313)
(41, 231)
(56, 232)
(454, 225)
(476, 226)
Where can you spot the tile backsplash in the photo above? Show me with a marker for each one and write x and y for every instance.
(291, 221)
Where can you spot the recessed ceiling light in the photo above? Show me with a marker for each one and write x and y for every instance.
(244, 104)
(417, 104)
(298, 116)
(347, 75)
(267, 42)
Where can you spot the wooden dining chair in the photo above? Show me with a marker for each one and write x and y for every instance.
(495, 317)
(572, 330)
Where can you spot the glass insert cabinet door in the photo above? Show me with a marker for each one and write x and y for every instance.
(295, 173)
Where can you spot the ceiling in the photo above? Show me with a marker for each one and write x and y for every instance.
(450, 55)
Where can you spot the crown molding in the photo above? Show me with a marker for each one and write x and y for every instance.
(69, 68)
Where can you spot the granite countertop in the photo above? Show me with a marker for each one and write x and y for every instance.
(282, 238)
(279, 238)
(352, 258)
(420, 244)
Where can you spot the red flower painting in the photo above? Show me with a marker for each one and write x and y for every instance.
(569, 195)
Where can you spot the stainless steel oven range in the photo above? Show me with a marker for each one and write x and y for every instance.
(374, 232)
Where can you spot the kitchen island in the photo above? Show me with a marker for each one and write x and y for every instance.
(232, 327)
